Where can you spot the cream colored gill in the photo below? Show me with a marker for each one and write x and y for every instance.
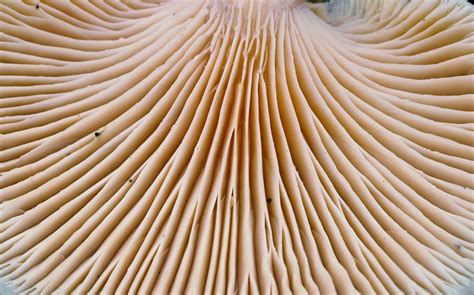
(234, 146)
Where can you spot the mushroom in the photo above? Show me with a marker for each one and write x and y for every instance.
(223, 146)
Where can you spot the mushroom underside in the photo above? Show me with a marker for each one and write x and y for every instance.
(223, 146)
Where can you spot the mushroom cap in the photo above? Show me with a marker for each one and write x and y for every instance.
(223, 146)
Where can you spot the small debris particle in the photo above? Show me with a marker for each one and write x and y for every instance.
(130, 180)
(37, 6)
(269, 200)
(97, 134)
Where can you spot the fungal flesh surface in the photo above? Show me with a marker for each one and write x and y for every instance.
(231, 146)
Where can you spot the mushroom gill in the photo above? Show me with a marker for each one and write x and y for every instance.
(226, 146)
